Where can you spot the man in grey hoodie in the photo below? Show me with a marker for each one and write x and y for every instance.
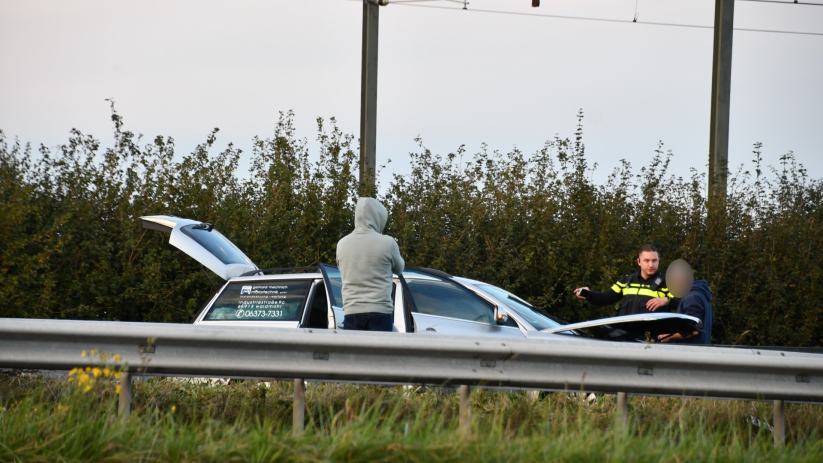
(367, 258)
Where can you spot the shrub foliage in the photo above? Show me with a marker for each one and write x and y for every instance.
(72, 245)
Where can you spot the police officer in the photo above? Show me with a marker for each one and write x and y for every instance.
(643, 291)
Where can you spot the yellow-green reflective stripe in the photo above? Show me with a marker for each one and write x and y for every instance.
(622, 285)
(617, 289)
(642, 292)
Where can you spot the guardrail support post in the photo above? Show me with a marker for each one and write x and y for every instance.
(299, 407)
(779, 423)
(124, 406)
(623, 408)
(465, 408)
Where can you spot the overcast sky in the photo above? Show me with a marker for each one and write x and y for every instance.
(453, 77)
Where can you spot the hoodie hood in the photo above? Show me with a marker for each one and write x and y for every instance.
(369, 215)
(702, 287)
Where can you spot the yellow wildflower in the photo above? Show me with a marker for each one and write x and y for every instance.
(83, 354)
(117, 389)
(94, 352)
(117, 358)
(87, 389)
(96, 372)
(173, 408)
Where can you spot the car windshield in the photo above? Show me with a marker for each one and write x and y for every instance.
(538, 320)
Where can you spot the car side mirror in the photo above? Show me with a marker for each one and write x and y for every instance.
(500, 315)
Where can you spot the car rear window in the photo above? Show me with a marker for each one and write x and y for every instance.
(216, 243)
(280, 300)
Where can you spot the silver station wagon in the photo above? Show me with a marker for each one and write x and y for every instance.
(425, 300)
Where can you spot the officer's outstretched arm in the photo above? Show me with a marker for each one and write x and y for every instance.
(606, 297)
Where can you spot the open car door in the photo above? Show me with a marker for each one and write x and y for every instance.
(635, 327)
(202, 243)
(334, 285)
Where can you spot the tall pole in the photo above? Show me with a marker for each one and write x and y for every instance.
(368, 96)
(721, 90)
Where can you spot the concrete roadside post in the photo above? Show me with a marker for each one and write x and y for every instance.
(623, 408)
(465, 409)
(124, 405)
(779, 423)
(299, 406)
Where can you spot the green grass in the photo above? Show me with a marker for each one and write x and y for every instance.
(47, 419)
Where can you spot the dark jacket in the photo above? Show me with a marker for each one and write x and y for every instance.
(635, 291)
(698, 303)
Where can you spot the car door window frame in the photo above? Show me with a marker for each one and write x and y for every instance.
(315, 287)
(407, 304)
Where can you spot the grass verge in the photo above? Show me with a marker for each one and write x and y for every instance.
(52, 419)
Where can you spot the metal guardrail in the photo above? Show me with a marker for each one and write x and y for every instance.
(318, 354)
(550, 363)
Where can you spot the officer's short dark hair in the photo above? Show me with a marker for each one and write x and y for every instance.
(648, 248)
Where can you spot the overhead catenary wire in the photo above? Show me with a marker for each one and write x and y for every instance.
(583, 18)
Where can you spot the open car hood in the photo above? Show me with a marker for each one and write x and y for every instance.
(633, 327)
(203, 243)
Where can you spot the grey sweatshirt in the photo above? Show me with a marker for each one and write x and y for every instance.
(367, 258)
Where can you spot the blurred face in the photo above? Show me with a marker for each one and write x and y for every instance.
(679, 278)
(648, 262)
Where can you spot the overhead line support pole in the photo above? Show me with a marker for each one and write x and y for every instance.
(721, 92)
(368, 96)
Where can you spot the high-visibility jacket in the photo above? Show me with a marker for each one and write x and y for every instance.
(635, 291)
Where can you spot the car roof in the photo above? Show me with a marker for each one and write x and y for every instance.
(279, 276)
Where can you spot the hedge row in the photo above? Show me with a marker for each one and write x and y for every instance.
(71, 245)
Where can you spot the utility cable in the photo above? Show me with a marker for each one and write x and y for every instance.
(582, 18)
(783, 2)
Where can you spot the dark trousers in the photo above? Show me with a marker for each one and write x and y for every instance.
(369, 321)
